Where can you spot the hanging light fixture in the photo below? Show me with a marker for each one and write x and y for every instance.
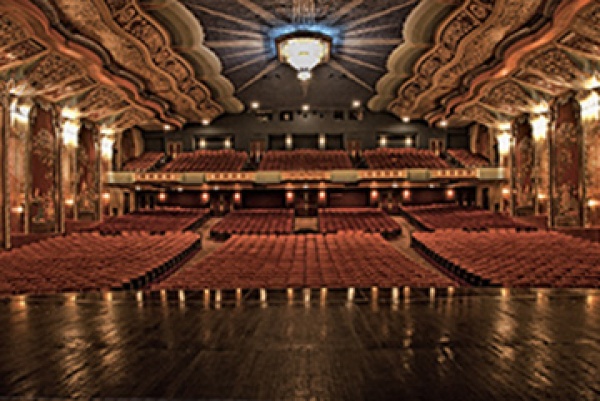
(304, 51)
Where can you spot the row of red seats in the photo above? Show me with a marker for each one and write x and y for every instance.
(146, 161)
(357, 219)
(391, 158)
(514, 259)
(90, 261)
(466, 158)
(439, 216)
(255, 221)
(305, 159)
(340, 260)
(207, 160)
(154, 221)
(590, 234)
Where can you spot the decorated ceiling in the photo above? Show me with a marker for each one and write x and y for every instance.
(156, 63)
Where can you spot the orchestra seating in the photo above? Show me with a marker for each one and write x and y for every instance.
(403, 158)
(468, 159)
(207, 160)
(304, 261)
(305, 159)
(357, 219)
(154, 221)
(444, 216)
(145, 162)
(590, 234)
(18, 239)
(90, 261)
(255, 221)
(514, 259)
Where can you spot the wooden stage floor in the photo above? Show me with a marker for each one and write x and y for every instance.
(474, 345)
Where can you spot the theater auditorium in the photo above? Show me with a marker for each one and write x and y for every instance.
(300, 199)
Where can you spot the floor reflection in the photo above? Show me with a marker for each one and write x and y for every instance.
(372, 345)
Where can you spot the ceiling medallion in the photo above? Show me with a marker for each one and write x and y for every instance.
(304, 51)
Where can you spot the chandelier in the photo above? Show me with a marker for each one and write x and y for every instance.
(304, 51)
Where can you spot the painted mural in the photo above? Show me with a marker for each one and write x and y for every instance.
(43, 143)
(86, 167)
(567, 200)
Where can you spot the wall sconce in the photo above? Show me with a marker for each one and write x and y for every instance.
(227, 143)
(106, 197)
(408, 141)
(322, 196)
(205, 197)
(450, 194)
(237, 197)
(19, 112)
(504, 142)
(18, 209)
(539, 127)
(374, 194)
(406, 194)
(505, 191)
(71, 133)
(383, 141)
(162, 197)
(590, 107)
(202, 143)
(289, 196)
(322, 142)
(70, 201)
(107, 141)
(593, 203)
(289, 142)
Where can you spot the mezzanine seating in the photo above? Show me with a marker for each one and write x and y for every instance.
(90, 261)
(255, 221)
(357, 219)
(304, 261)
(403, 158)
(305, 159)
(445, 216)
(468, 159)
(514, 259)
(207, 160)
(154, 221)
(145, 162)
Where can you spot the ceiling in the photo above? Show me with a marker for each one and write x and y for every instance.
(149, 63)
(242, 34)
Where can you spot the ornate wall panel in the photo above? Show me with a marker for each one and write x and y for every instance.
(43, 189)
(86, 168)
(17, 172)
(483, 143)
(566, 154)
(592, 168)
(524, 157)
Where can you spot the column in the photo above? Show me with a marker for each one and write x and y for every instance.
(590, 120)
(567, 178)
(59, 196)
(4, 176)
(28, 175)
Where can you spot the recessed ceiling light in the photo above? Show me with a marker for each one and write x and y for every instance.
(205, 121)
(305, 107)
(167, 127)
(356, 104)
(406, 119)
(444, 123)
(254, 105)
